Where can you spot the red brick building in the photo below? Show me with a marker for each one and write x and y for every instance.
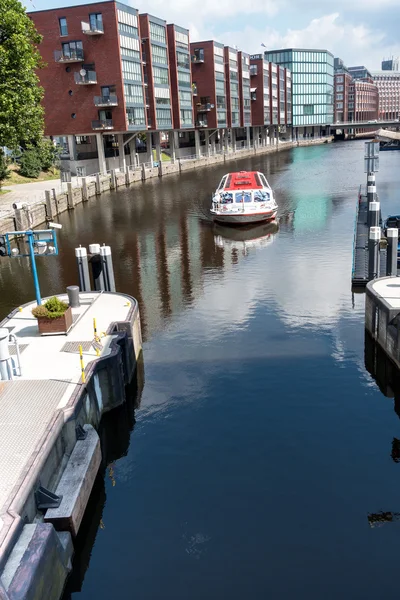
(366, 101)
(244, 89)
(343, 96)
(208, 74)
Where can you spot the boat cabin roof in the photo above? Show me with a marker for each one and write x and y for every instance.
(243, 180)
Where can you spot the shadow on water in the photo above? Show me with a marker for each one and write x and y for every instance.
(387, 376)
(115, 434)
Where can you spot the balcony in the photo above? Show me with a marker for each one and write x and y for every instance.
(102, 125)
(253, 70)
(93, 28)
(105, 101)
(201, 123)
(204, 107)
(194, 89)
(84, 77)
(197, 57)
(72, 56)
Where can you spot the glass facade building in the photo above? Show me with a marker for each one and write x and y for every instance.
(312, 84)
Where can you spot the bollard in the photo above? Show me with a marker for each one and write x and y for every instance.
(83, 269)
(82, 365)
(54, 193)
(371, 188)
(73, 296)
(49, 208)
(108, 270)
(373, 252)
(70, 196)
(127, 176)
(6, 372)
(392, 235)
(373, 214)
(96, 263)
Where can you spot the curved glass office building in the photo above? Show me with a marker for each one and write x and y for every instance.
(312, 87)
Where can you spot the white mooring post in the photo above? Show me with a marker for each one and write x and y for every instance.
(392, 235)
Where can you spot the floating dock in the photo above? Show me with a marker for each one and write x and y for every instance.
(49, 449)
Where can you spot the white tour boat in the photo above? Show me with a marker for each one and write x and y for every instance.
(244, 197)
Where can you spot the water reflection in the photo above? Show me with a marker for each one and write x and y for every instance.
(242, 240)
(115, 437)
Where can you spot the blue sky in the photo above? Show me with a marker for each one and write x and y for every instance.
(358, 31)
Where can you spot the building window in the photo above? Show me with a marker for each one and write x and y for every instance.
(159, 54)
(96, 22)
(63, 26)
(185, 97)
(339, 78)
(133, 93)
(182, 60)
(308, 109)
(73, 50)
(130, 29)
(339, 105)
(160, 76)
(184, 79)
(198, 54)
(221, 102)
(82, 139)
(339, 88)
(220, 86)
(186, 117)
(131, 70)
(129, 46)
(339, 96)
(135, 116)
(163, 116)
(221, 116)
(157, 33)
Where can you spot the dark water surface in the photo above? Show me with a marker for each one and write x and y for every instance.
(261, 443)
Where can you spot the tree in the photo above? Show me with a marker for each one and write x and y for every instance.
(48, 154)
(30, 163)
(3, 168)
(21, 114)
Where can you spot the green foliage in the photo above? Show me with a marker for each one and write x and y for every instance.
(52, 309)
(3, 168)
(30, 165)
(48, 154)
(21, 114)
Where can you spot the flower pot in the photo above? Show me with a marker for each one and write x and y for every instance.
(54, 326)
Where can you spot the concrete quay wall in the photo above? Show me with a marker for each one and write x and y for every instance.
(31, 216)
(35, 556)
(382, 318)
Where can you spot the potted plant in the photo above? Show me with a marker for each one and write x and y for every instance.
(54, 316)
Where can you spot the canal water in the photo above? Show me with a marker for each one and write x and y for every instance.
(256, 454)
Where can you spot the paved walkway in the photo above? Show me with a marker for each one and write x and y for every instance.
(30, 193)
(50, 371)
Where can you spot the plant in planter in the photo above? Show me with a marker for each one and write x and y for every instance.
(54, 316)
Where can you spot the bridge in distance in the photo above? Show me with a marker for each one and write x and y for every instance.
(366, 125)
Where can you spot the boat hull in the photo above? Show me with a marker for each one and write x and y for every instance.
(241, 219)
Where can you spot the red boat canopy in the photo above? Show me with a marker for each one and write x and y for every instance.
(243, 180)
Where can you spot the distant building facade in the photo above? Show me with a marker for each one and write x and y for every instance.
(388, 84)
(392, 64)
(312, 79)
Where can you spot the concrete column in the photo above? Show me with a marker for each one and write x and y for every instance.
(256, 136)
(207, 136)
(121, 151)
(233, 139)
(72, 147)
(213, 143)
(149, 144)
(248, 140)
(171, 141)
(158, 146)
(197, 143)
(226, 139)
(100, 153)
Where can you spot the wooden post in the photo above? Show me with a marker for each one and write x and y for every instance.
(98, 184)
(70, 196)
(85, 196)
(127, 176)
(113, 180)
(49, 208)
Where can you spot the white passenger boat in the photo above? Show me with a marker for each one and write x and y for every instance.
(243, 197)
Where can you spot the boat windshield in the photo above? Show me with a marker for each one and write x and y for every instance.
(226, 198)
(261, 196)
(243, 197)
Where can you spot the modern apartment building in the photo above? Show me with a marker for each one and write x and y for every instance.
(312, 87)
(388, 84)
(109, 77)
(343, 96)
(359, 72)
(271, 96)
(209, 85)
(232, 87)
(244, 89)
(391, 64)
(180, 77)
(366, 101)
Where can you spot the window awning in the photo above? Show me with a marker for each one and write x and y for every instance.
(253, 89)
